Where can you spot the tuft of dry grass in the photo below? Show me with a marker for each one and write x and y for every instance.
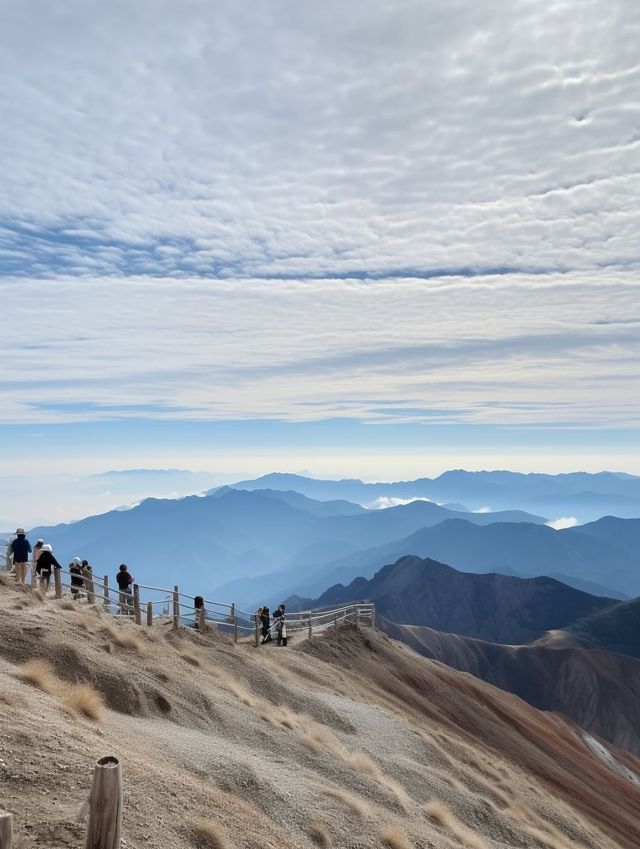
(68, 605)
(394, 838)
(85, 700)
(355, 804)
(40, 674)
(191, 657)
(125, 640)
(209, 835)
(443, 816)
(319, 833)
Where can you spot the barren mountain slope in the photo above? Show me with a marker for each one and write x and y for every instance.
(340, 741)
(599, 690)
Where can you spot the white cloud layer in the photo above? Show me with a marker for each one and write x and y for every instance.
(562, 352)
(390, 211)
(279, 138)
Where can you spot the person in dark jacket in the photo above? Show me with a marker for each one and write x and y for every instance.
(20, 551)
(77, 577)
(125, 584)
(265, 621)
(46, 563)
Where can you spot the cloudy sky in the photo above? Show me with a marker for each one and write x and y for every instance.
(377, 238)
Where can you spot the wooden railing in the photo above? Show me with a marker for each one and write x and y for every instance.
(157, 605)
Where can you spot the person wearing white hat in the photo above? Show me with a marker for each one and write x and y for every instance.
(77, 577)
(46, 563)
(20, 551)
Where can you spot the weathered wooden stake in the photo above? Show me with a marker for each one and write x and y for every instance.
(176, 607)
(106, 592)
(235, 628)
(6, 830)
(137, 615)
(57, 583)
(91, 592)
(149, 613)
(105, 806)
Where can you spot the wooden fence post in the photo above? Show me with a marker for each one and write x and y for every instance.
(57, 583)
(106, 592)
(235, 628)
(257, 631)
(91, 593)
(176, 608)
(6, 830)
(149, 613)
(202, 618)
(105, 806)
(137, 615)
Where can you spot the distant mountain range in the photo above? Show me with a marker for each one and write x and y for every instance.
(501, 608)
(579, 494)
(204, 542)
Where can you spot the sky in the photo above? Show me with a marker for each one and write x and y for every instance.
(380, 238)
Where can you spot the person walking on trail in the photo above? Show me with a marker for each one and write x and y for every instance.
(77, 577)
(20, 551)
(46, 563)
(280, 626)
(37, 548)
(265, 621)
(125, 585)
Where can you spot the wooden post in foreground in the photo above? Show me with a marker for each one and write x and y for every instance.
(235, 628)
(257, 631)
(105, 806)
(106, 592)
(6, 830)
(176, 608)
(137, 615)
(57, 583)
(149, 613)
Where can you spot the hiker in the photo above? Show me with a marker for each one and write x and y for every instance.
(77, 577)
(198, 605)
(37, 548)
(87, 573)
(265, 620)
(125, 584)
(280, 626)
(46, 562)
(20, 550)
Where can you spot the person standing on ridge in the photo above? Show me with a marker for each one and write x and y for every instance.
(37, 548)
(265, 620)
(46, 563)
(20, 550)
(125, 584)
(77, 577)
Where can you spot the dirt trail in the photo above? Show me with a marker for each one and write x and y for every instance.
(334, 740)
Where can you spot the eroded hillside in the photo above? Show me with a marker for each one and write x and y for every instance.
(351, 741)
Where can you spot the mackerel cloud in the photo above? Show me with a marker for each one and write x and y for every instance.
(385, 210)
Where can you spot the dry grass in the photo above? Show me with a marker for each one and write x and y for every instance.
(68, 605)
(443, 816)
(85, 700)
(355, 804)
(125, 640)
(210, 836)
(40, 674)
(319, 833)
(394, 838)
(192, 657)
